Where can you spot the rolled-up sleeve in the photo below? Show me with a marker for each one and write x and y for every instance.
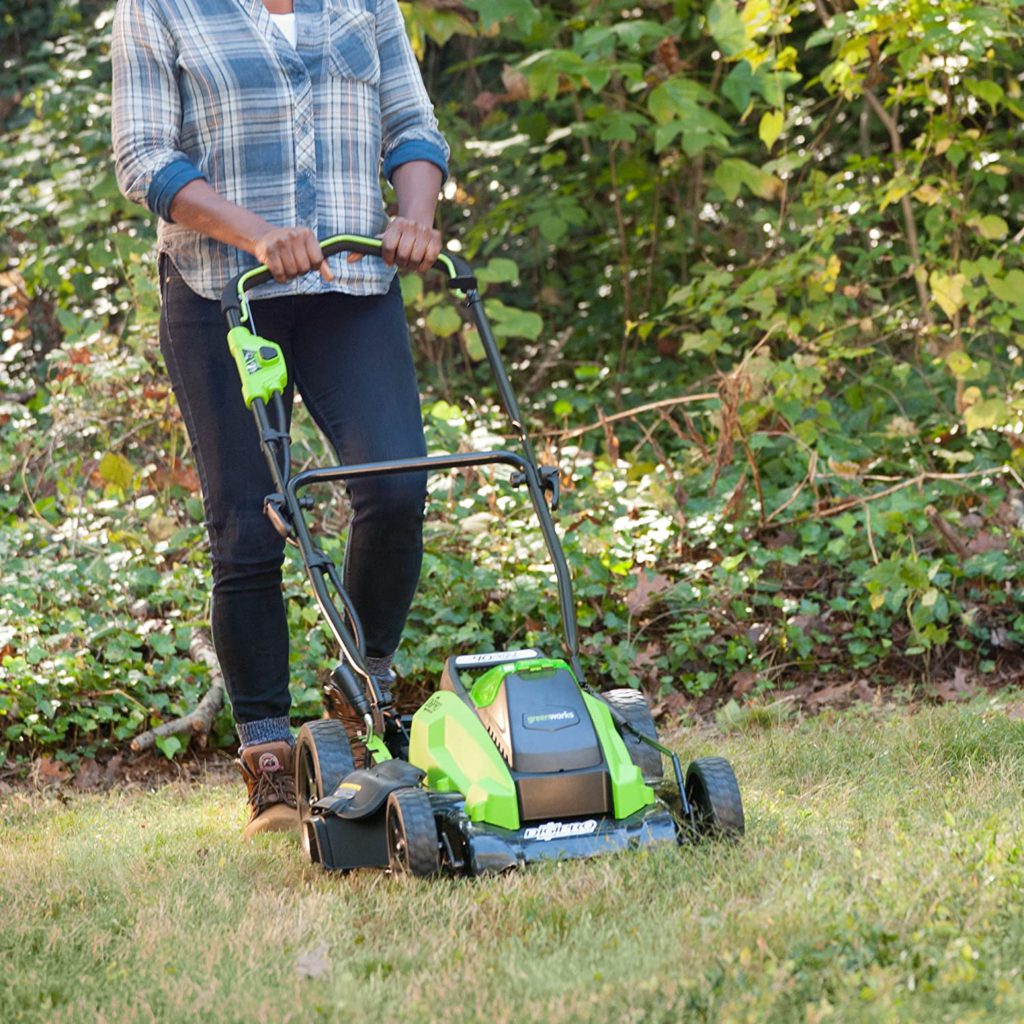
(150, 167)
(410, 130)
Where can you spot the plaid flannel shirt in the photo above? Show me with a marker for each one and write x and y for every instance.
(212, 89)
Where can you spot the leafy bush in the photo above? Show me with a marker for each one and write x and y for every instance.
(757, 270)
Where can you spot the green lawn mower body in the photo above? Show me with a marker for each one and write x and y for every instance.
(515, 758)
(519, 764)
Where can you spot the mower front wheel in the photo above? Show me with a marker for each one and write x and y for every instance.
(323, 757)
(714, 796)
(413, 847)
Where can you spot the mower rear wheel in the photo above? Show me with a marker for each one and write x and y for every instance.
(323, 757)
(714, 796)
(632, 705)
(413, 846)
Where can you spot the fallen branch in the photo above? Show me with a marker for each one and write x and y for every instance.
(200, 719)
(664, 403)
(549, 359)
(18, 397)
(955, 542)
(921, 478)
(812, 468)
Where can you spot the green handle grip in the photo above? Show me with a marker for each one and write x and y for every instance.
(233, 302)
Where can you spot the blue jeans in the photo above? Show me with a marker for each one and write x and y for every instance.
(350, 359)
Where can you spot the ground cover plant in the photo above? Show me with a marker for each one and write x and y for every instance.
(757, 268)
(880, 880)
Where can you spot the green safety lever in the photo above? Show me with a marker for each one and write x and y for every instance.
(260, 361)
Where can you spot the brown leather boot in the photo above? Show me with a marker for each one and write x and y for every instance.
(267, 770)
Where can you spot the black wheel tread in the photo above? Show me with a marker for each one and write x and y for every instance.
(332, 754)
(323, 757)
(714, 794)
(415, 819)
(632, 705)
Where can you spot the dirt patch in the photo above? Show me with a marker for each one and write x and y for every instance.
(815, 697)
(116, 771)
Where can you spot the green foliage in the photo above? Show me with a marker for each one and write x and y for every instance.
(80, 252)
(23, 24)
(757, 270)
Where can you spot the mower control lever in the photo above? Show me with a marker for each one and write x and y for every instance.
(276, 510)
(550, 480)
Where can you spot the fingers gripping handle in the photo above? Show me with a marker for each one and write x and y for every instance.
(458, 271)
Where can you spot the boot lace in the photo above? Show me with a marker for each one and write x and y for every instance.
(272, 788)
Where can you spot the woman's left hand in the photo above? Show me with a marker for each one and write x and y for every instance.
(410, 245)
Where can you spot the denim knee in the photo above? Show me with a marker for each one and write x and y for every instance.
(397, 500)
(244, 545)
(235, 578)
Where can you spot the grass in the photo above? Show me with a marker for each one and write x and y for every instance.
(882, 879)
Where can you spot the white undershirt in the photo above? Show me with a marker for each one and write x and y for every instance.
(286, 24)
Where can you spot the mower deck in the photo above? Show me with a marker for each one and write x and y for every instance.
(476, 848)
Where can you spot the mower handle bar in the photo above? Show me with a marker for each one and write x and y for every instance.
(234, 306)
(460, 273)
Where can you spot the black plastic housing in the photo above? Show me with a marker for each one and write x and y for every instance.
(539, 722)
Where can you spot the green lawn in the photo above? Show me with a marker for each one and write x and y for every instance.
(882, 879)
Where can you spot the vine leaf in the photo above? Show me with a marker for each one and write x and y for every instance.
(770, 127)
(948, 291)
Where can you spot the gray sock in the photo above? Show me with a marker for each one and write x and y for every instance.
(263, 730)
(380, 669)
(380, 666)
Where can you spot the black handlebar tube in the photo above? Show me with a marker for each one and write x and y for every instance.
(463, 460)
(276, 447)
(319, 569)
(533, 481)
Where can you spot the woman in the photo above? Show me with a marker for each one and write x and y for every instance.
(252, 128)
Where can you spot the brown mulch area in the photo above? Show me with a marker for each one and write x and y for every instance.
(814, 697)
(122, 771)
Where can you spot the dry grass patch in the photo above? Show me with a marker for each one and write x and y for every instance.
(881, 879)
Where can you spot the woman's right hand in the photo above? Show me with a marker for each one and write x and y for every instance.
(290, 252)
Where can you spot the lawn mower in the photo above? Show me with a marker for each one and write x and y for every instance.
(514, 758)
